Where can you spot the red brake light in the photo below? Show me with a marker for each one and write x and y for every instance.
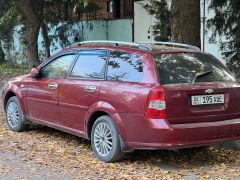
(156, 105)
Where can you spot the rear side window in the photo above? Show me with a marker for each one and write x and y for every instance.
(183, 67)
(125, 67)
(90, 64)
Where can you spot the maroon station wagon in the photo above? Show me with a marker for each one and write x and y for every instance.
(126, 96)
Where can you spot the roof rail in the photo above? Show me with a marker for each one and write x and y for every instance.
(116, 43)
(187, 46)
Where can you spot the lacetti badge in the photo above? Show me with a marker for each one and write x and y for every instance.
(209, 91)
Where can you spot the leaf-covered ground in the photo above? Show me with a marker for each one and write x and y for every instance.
(44, 153)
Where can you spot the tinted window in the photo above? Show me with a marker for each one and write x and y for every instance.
(125, 67)
(57, 68)
(90, 64)
(182, 68)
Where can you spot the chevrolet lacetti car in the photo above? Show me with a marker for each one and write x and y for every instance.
(126, 96)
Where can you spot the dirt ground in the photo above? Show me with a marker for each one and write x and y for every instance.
(44, 153)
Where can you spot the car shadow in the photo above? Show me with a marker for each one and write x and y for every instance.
(188, 158)
(169, 160)
(57, 134)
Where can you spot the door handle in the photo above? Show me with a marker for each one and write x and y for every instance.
(90, 89)
(52, 86)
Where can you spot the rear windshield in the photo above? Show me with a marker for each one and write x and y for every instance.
(183, 67)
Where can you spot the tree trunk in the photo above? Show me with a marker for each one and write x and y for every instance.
(186, 22)
(32, 27)
(64, 8)
(2, 57)
(46, 40)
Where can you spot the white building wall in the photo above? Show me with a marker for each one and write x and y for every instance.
(143, 23)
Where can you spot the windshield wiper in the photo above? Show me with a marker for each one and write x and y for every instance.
(198, 75)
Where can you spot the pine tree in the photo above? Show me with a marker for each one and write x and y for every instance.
(226, 23)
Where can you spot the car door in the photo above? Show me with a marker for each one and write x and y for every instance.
(81, 89)
(43, 92)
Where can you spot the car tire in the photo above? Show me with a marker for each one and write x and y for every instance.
(14, 116)
(105, 140)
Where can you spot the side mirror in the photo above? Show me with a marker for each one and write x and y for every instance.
(35, 72)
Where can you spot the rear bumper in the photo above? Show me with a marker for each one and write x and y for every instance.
(159, 134)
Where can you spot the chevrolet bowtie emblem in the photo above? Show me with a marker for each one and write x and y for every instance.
(209, 91)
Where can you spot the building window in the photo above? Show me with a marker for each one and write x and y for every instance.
(110, 6)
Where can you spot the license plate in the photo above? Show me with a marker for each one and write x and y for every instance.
(207, 99)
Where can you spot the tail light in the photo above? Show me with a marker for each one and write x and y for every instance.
(156, 104)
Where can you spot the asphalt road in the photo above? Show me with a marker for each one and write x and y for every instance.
(13, 166)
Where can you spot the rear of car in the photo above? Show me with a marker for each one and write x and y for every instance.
(196, 103)
(213, 97)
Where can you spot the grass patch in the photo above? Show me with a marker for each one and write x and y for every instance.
(13, 69)
(8, 71)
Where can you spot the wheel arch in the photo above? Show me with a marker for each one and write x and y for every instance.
(100, 109)
(116, 120)
(94, 116)
(14, 90)
(8, 95)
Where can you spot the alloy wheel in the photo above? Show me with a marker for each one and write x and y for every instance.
(103, 139)
(13, 114)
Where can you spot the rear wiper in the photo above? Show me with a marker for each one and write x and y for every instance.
(198, 75)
